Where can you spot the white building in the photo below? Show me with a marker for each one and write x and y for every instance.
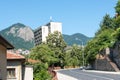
(42, 32)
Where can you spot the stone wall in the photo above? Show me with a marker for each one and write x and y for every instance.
(115, 54)
(102, 64)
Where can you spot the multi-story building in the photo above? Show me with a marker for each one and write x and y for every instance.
(42, 32)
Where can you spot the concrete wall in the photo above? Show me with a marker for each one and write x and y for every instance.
(3, 62)
(18, 69)
(28, 73)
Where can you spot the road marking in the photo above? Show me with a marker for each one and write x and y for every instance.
(93, 75)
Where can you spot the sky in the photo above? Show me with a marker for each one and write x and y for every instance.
(76, 16)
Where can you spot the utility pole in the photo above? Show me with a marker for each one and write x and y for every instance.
(83, 54)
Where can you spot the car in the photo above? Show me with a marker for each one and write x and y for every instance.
(82, 67)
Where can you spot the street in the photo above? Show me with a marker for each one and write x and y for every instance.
(77, 74)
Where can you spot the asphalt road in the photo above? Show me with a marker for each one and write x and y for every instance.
(89, 75)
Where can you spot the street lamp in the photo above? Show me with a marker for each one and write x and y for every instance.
(82, 53)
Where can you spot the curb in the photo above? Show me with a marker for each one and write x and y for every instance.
(106, 72)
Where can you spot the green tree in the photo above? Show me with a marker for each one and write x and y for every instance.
(117, 17)
(107, 23)
(44, 54)
(116, 35)
(46, 57)
(57, 44)
(106, 36)
(55, 40)
(117, 7)
(73, 57)
(102, 40)
(41, 72)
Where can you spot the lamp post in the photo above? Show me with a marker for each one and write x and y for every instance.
(82, 53)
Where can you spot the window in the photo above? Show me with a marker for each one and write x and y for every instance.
(11, 73)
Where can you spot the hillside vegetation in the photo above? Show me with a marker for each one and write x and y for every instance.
(106, 36)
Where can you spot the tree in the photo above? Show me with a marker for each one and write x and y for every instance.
(116, 35)
(73, 57)
(55, 40)
(46, 57)
(117, 7)
(44, 54)
(117, 18)
(107, 35)
(57, 44)
(102, 40)
(41, 72)
(107, 23)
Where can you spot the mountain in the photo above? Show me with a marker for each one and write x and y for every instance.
(19, 35)
(76, 38)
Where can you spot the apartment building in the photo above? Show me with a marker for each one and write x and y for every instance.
(42, 32)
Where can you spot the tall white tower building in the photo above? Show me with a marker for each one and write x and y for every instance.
(42, 32)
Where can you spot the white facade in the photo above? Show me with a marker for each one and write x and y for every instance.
(42, 32)
(28, 73)
(55, 26)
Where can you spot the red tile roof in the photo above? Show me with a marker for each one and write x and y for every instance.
(14, 56)
(32, 61)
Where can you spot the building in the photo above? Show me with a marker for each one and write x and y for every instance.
(16, 68)
(42, 32)
(4, 46)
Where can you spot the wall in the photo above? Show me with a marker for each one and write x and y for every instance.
(28, 73)
(3, 62)
(115, 54)
(55, 26)
(102, 64)
(44, 33)
(18, 68)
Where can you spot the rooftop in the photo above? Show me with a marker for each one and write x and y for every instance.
(5, 43)
(14, 56)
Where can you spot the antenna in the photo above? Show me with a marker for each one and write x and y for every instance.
(50, 18)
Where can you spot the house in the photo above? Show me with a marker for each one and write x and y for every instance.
(4, 46)
(16, 68)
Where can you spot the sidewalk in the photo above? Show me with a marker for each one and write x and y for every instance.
(107, 72)
(64, 77)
